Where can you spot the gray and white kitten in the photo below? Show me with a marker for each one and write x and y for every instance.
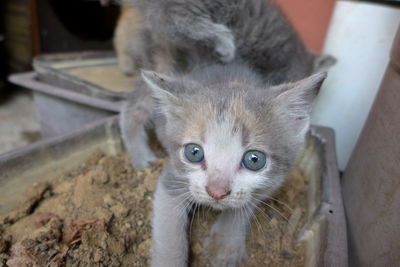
(231, 140)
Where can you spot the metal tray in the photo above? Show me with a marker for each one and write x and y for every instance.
(60, 110)
(325, 231)
(92, 73)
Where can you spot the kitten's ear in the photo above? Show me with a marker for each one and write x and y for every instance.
(163, 88)
(296, 101)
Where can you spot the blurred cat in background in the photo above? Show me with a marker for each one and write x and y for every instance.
(161, 35)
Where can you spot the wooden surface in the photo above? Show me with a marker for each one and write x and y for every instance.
(371, 182)
(17, 19)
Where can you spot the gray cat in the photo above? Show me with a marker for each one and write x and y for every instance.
(231, 140)
(183, 34)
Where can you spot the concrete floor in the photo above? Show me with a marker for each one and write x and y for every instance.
(18, 124)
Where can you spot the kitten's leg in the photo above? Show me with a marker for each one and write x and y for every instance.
(228, 235)
(203, 29)
(132, 120)
(170, 244)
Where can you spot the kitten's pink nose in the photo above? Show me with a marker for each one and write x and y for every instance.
(217, 193)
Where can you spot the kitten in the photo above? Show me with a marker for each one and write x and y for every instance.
(231, 140)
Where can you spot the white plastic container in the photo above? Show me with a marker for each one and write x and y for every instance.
(360, 37)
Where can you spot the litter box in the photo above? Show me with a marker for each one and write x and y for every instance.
(91, 73)
(59, 110)
(71, 90)
(325, 233)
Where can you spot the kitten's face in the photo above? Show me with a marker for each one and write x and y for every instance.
(226, 157)
(231, 147)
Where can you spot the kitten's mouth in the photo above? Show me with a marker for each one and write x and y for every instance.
(224, 204)
(218, 206)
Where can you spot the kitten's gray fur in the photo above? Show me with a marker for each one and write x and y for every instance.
(274, 118)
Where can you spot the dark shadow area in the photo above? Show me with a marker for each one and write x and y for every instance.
(87, 20)
(75, 25)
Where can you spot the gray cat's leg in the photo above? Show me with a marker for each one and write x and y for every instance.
(170, 244)
(228, 234)
(204, 30)
(132, 120)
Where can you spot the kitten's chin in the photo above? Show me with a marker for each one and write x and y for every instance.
(226, 204)
(218, 206)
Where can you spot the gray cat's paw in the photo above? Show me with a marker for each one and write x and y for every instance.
(225, 47)
(127, 65)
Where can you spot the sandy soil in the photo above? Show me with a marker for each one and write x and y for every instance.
(100, 215)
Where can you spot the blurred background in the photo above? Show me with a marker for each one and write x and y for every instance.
(29, 28)
(32, 27)
(359, 34)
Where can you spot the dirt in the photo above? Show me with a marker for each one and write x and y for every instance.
(100, 215)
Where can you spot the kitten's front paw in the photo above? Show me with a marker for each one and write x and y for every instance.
(226, 251)
(231, 255)
(225, 48)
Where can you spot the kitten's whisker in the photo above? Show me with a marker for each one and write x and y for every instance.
(247, 217)
(191, 220)
(271, 207)
(277, 200)
(186, 208)
(234, 216)
(259, 226)
(180, 182)
(178, 191)
(202, 210)
(264, 214)
(183, 204)
(181, 196)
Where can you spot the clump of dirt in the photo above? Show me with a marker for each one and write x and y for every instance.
(100, 215)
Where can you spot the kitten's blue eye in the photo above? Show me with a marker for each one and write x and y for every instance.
(254, 160)
(194, 153)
